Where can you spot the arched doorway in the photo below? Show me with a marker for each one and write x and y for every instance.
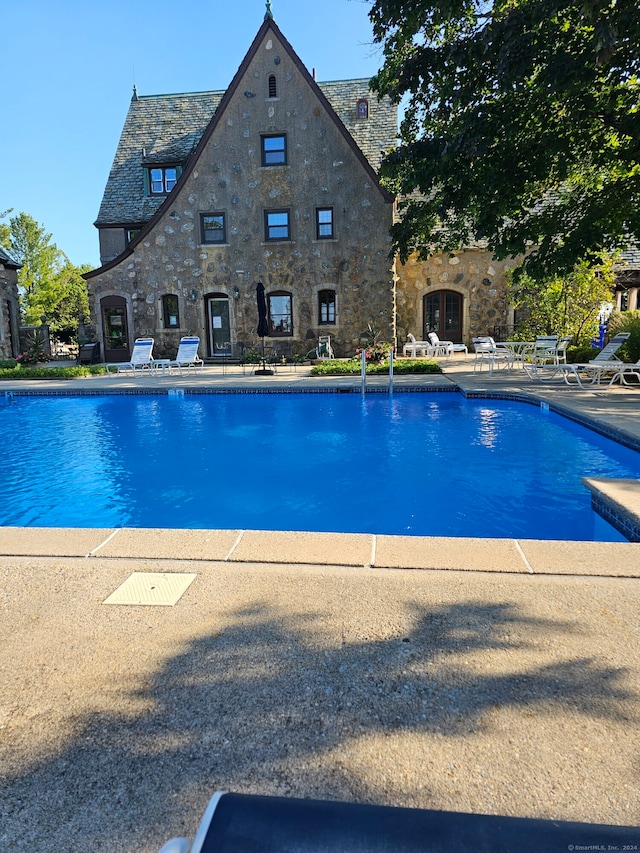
(218, 324)
(115, 328)
(442, 313)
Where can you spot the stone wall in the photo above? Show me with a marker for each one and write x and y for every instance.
(472, 273)
(322, 170)
(9, 311)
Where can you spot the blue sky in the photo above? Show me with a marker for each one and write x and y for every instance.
(68, 74)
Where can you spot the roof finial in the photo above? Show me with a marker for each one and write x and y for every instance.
(269, 12)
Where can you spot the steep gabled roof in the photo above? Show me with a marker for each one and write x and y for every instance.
(167, 130)
(160, 129)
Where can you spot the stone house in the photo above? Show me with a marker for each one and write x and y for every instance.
(272, 181)
(9, 306)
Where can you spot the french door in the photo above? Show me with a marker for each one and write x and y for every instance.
(442, 314)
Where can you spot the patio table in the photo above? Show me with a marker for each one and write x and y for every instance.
(518, 349)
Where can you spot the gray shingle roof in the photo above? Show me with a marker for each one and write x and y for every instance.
(6, 259)
(630, 257)
(165, 129)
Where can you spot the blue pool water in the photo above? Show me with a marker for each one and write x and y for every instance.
(423, 464)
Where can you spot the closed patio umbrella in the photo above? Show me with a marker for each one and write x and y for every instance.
(263, 327)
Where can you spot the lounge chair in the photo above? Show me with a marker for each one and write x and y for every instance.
(141, 358)
(324, 349)
(625, 372)
(444, 348)
(187, 355)
(487, 351)
(416, 349)
(606, 363)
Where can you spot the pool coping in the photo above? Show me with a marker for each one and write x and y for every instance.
(185, 548)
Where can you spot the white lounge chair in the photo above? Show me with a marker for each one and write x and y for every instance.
(624, 373)
(416, 349)
(141, 358)
(605, 364)
(440, 348)
(488, 352)
(187, 355)
(448, 346)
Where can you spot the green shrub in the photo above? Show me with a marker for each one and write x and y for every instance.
(7, 363)
(19, 372)
(626, 321)
(353, 367)
(582, 354)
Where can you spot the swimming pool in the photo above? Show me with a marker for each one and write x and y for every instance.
(418, 464)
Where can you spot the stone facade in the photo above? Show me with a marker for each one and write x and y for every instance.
(476, 284)
(9, 307)
(215, 285)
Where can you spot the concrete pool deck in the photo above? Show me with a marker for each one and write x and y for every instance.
(494, 676)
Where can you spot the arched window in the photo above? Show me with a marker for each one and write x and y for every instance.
(273, 89)
(362, 108)
(279, 304)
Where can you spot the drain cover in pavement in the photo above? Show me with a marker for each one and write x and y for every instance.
(151, 588)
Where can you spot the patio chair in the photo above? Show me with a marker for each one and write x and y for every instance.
(544, 350)
(561, 349)
(187, 355)
(444, 348)
(589, 373)
(488, 352)
(324, 349)
(141, 358)
(417, 349)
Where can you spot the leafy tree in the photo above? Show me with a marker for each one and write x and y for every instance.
(5, 231)
(70, 301)
(50, 285)
(522, 125)
(562, 305)
(41, 262)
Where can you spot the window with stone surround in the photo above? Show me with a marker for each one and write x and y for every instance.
(362, 108)
(276, 225)
(327, 307)
(280, 311)
(274, 150)
(213, 228)
(170, 313)
(324, 223)
(273, 88)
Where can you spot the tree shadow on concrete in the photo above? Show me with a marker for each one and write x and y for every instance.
(258, 707)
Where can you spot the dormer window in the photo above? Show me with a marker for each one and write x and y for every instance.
(362, 108)
(162, 179)
(273, 88)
